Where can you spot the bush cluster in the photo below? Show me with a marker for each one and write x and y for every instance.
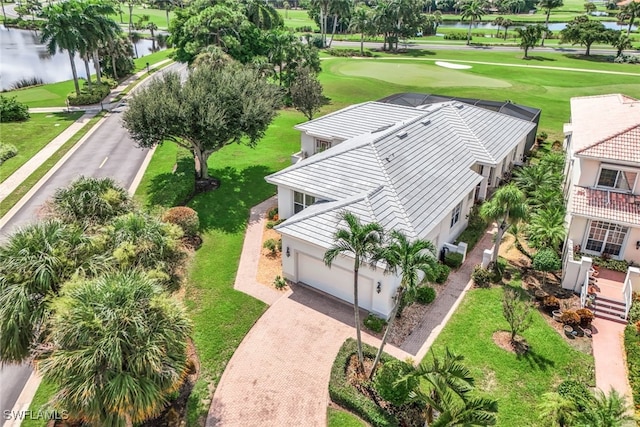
(273, 245)
(442, 273)
(87, 97)
(475, 229)
(551, 303)
(425, 295)
(481, 276)
(586, 316)
(185, 218)
(279, 282)
(632, 346)
(574, 390)
(608, 263)
(570, 317)
(349, 52)
(456, 36)
(385, 382)
(271, 224)
(627, 59)
(12, 111)
(272, 214)
(374, 323)
(303, 29)
(347, 396)
(453, 259)
(7, 151)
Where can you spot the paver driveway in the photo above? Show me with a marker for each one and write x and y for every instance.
(291, 344)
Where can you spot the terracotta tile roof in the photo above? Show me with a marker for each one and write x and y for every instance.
(606, 205)
(622, 146)
(597, 118)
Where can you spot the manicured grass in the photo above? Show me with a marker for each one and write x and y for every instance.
(39, 403)
(30, 136)
(28, 183)
(154, 58)
(48, 95)
(516, 382)
(221, 315)
(157, 16)
(338, 418)
(549, 90)
(297, 18)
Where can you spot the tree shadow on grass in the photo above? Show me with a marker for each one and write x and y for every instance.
(536, 360)
(591, 58)
(227, 208)
(539, 58)
(173, 188)
(412, 53)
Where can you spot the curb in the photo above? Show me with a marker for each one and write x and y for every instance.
(143, 168)
(21, 407)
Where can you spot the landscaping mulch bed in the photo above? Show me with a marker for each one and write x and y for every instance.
(503, 340)
(269, 265)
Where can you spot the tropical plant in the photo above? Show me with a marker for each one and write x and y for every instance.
(416, 262)
(91, 201)
(212, 109)
(548, 6)
(323, 7)
(12, 110)
(212, 57)
(620, 43)
(630, 11)
(556, 410)
(529, 37)
(185, 218)
(506, 24)
(363, 243)
(387, 385)
(340, 9)
(546, 227)
(605, 410)
(361, 22)
(507, 206)
(97, 29)
(34, 263)
(473, 10)
(498, 23)
(111, 381)
(262, 14)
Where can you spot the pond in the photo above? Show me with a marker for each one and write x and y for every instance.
(553, 26)
(23, 56)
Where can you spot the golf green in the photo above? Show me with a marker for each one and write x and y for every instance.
(416, 74)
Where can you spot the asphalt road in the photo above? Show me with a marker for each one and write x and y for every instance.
(108, 152)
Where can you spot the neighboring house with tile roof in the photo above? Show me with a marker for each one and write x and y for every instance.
(417, 170)
(602, 176)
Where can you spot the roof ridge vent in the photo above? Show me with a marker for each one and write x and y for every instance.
(381, 128)
(426, 122)
(402, 134)
(459, 106)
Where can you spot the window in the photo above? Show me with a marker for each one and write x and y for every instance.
(605, 238)
(455, 215)
(322, 145)
(623, 180)
(515, 154)
(301, 201)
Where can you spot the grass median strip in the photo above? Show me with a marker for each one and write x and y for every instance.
(28, 183)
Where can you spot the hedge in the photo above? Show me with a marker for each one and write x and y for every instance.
(7, 151)
(475, 229)
(347, 396)
(632, 346)
(12, 110)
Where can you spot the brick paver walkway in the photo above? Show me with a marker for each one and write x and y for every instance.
(279, 374)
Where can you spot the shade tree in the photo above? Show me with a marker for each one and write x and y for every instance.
(529, 37)
(585, 32)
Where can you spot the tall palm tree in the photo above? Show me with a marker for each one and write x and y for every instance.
(410, 260)
(60, 32)
(437, 20)
(119, 349)
(34, 263)
(630, 10)
(363, 243)
(498, 23)
(341, 9)
(606, 410)
(473, 11)
(532, 177)
(361, 23)
(507, 206)
(99, 28)
(448, 384)
(546, 227)
(323, 6)
(548, 6)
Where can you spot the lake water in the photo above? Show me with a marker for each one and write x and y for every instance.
(23, 56)
(553, 26)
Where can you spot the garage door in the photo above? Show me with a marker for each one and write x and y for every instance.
(335, 281)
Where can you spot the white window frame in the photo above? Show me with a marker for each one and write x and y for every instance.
(617, 169)
(455, 215)
(322, 145)
(307, 200)
(606, 227)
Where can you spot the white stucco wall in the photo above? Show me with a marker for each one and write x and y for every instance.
(381, 303)
(285, 202)
(307, 144)
(442, 233)
(587, 173)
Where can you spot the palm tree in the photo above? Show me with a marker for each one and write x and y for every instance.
(621, 43)
(437, 21)
(34, 263)
(473, 11)
(498, 23)
(506, 24)
(556, 410)
(323, 6)
(60, 32)
(409, 259)
(98, 29)
(4, 13)
(630, 10)
(604, 410)
(262, 14)
(213, 57)
(529, 36)
(362, 242)
(448, 383)
(546, 227)
(341, 9)
(516, 231)
(548, 5)
(507, 206)
(361, 23)
(532, 177)
(91, 201)
(119, 349)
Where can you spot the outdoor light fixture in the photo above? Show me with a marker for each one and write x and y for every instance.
(288, 252)
(379, 287)
(638, 244)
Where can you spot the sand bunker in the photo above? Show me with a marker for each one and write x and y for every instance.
(451, 65)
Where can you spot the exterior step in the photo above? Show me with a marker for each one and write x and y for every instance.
(612, 317)
(610, 309)
(609, 301)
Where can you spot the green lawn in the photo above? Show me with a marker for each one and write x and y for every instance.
(30, 136)
(39, 403)
(221, 315)
(157, 16)
(154, 58)
(297, 18)
(338, 418)
(516, 382)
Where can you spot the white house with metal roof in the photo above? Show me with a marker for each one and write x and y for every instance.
(418, 170)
